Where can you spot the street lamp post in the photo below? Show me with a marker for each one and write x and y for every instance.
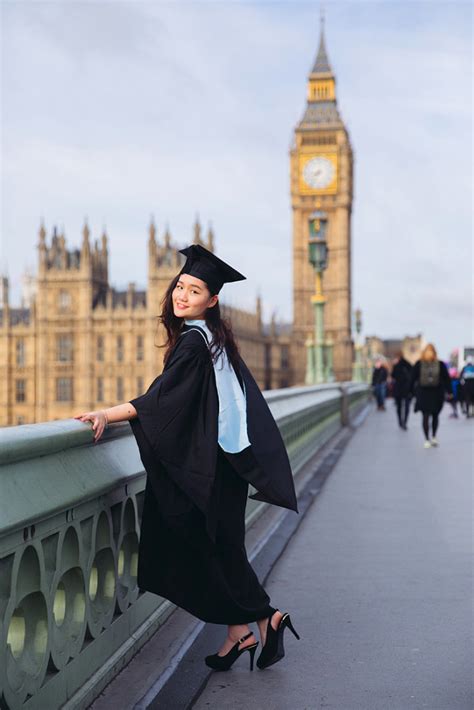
(328, 349)
(319, 352)
(309, 344)
(357, 374)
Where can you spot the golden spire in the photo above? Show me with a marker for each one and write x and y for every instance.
(197, 231)
(321, 83)
(85, 238)
(167, 236)
(152, 229)
(42, 233)
(210, 238)
(104, 239)
(152, 245)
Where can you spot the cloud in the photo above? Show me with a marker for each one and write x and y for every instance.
(120, 109)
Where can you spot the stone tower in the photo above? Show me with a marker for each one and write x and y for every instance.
(68, 282)
(321, 166)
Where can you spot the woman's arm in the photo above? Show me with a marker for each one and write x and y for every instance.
(102, 417)
(446, 380)
(414, 376)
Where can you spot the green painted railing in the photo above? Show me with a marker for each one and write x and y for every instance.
(71, 615)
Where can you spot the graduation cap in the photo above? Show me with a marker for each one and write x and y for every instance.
(205, 265)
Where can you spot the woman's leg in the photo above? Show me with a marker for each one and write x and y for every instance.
(262, 625)
(435, 423)
(378, 396)
(235, 575)
(237, 632)
(234, 633)
(407, 402)
(399, 401)
(426, 425)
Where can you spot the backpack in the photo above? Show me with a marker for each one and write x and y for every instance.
(468, 372)
(429, 373)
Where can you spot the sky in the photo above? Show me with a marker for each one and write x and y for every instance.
(119, 110)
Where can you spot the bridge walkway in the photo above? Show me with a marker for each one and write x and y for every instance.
(378, 579)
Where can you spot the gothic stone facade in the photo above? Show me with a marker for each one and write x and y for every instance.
(82, 345)
(411, 347)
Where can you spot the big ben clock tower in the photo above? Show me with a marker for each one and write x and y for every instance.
(321, 179)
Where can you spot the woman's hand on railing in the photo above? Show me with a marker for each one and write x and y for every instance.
(99, 419)
(102, 417)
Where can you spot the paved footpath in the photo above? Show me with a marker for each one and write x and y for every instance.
(378, 580)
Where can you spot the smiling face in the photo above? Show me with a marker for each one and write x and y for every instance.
(191, 298)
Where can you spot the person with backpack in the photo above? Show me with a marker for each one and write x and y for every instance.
(430, 381)
(467, 383)
(401, 377)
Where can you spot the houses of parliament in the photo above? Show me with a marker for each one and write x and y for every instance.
(78, 344)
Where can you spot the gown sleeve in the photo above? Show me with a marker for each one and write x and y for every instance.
(172, 393)
(176, 423)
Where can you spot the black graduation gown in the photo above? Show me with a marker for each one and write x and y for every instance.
(192, 534)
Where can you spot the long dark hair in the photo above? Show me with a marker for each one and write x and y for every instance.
(221, 328)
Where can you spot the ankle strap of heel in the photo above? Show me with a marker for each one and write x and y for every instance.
(247, 636)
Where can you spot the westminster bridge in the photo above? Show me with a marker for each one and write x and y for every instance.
(375, 570)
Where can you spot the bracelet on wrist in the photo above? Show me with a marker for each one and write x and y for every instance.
(106, 419)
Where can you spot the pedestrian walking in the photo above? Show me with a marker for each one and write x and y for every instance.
(454, 375)
(205, 432)
(379, 384)
(467, 383)
(401, 377)
(430, 382)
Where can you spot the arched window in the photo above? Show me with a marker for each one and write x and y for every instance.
(100, 389)
(20, 390)
(140, 352)
(64, 392)
(20, 352)
(64, 300)
(100, 348)
(119, 348)
(64, 348)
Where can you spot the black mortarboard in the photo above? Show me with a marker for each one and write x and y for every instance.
(205, 265)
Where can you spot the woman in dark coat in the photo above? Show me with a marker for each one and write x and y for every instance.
(379, 384)
(430, 381)
(205, 432)
(401, 376)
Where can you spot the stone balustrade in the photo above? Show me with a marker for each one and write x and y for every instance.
(71, 614)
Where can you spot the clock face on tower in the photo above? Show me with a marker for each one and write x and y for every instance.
(318, 173)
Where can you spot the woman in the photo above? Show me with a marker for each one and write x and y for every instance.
(454, 375)
(429, 382)
(204, 431)
(467, 383)
(401, 376)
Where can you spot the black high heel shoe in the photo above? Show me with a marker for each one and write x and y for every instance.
(223, 663)
(273, 649)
